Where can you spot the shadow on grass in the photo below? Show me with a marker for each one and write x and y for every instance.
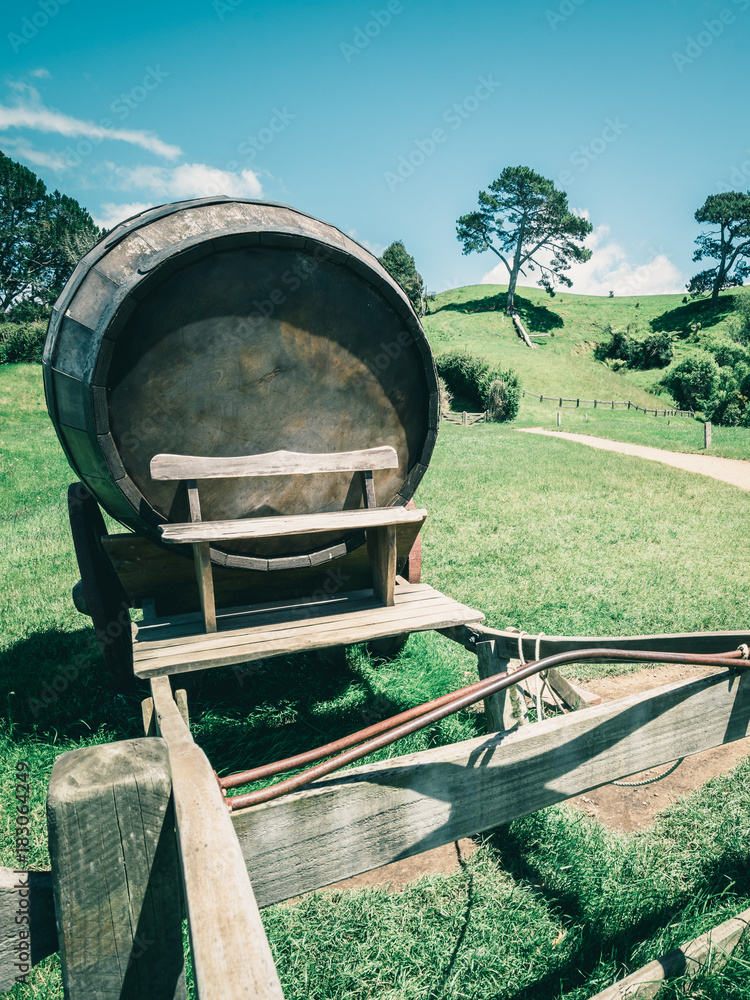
(538, 317)
(680, 319)
(725, 876)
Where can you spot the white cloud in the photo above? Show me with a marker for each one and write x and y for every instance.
(41, 73)
(190, 180)
(25, 151)
(610, 270)
(111, 215)
(30, 113)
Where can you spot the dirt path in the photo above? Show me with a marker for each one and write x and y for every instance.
(728, 470)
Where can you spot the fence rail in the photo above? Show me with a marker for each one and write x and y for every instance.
(613, 404)
(464, 418)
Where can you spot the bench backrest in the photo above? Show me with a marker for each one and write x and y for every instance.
(272, 463)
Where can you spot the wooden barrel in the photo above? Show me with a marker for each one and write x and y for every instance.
(226, 327)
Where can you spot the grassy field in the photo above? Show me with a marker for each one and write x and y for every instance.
(536, 533)
(471, 319)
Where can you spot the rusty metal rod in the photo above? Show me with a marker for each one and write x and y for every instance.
(311, 756)
(456, 702)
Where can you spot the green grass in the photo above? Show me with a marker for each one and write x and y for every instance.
(472, 319)
(535, 532)
(683, 434)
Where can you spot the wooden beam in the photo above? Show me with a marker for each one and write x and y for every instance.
(680, 642)
(204, 576)
(488, 665)
(292, 524)
(115, 872)
(388, 811)
(714, 947)
(273, 463)
(27, 923)
(231, 955)
(202, 559)
(381, 547)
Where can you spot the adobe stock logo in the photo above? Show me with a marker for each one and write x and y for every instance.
(31, 26)
(454, 116)
(696, 45)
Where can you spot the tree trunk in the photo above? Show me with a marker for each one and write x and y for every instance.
(509, 306)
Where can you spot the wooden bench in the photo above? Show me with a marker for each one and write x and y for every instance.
(378, 522)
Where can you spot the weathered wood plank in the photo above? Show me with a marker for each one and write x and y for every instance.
(115, 872)
(238, 646)
(488, 665)
(27, 923)
(149, 569)
(381, 545)
(292, 524)
(181, 628)
(231, 955)
(715, 946)
(273, 463)
(687, 642)
(388, 811)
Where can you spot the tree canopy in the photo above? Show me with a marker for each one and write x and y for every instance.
(400, 265)
(526, 222)
(42, 237)
(728, 243)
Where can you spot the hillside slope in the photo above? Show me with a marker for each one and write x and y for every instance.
(472, 319)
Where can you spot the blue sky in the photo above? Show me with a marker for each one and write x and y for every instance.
(386, 118)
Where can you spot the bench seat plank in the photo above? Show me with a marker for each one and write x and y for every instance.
(168, 647)
(293, 524)
(272, 463)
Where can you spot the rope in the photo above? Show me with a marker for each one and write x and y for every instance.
(543, 675)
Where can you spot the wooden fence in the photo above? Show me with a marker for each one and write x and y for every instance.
(140, 834)
(608, 404)
(464, 418)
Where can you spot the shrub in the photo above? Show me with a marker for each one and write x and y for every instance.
(21, 342)
(504, 397)
(470, 378)
(693, 383)
(655, 351)
(623, 347)
(739, 321)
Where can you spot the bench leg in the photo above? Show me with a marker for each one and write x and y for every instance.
(202, 555)
(381, 547)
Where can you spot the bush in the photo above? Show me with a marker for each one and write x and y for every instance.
(623, 348)
(693, 383)
(21, 342)
(655, 351)
(504, 397)
(470, 378)
(739, 321)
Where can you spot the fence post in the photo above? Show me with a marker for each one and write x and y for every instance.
(628, 404)
(613, 404)
(594, 404)
(559, 418)
(464, 417)
(707, 434)
(578, 402)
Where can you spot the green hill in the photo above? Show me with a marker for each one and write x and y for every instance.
(472, 319)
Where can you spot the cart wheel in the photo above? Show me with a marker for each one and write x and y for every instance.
(100, 593)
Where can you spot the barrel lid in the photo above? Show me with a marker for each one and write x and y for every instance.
(223, 327)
